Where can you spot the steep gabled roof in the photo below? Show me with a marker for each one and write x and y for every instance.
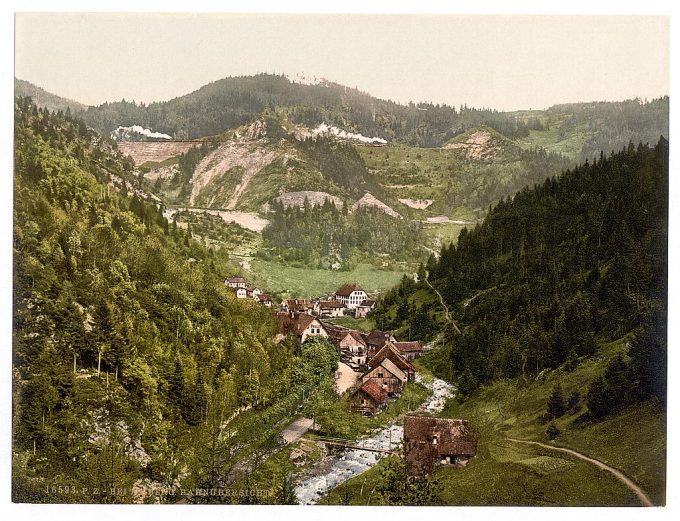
(263, 297)
(374, 390)
(408, 347)
(346, 289)
(390, 367)
(378, 338)
(330, 304)
(303, 321)
(297, 323)
(388, 351)
(298, 304)
(356, 336)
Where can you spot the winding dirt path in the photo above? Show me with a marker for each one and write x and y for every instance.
(447, 314)
(617, 473)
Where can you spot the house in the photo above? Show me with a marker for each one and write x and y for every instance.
(352, 347)
(364, 308)
(389, 351)
(236, 282)
(330, 308)
(301, 325)
(253, 293)
(265, 299)
(409, 350)
(388, 376)
(368, 399)
(351, 295)
(240, 292)
(297, 306)
(436, 441)
(376, 339)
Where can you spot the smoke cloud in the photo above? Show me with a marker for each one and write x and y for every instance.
(124, 132)
(323, 128)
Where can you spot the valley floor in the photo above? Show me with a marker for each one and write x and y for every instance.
(505, 472)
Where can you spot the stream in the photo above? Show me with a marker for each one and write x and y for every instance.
(351, 462)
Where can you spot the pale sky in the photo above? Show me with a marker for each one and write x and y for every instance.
(503, 62)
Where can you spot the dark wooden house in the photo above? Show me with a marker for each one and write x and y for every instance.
(429, 442)
(369, 398)
(389, 351)
(376, 339)
(409, 350)
(388, 376)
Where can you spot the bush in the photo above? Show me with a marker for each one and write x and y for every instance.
(552, 431)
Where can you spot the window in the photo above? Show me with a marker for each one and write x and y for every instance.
(381, 375)
(434, 440)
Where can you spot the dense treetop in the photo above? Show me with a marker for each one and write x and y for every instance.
(578, 258)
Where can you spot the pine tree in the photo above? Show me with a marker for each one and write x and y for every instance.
(556, 402)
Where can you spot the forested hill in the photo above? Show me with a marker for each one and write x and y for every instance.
(126, 341)
(42, 98)
(577, 130)
(552, 271)
(234, 101)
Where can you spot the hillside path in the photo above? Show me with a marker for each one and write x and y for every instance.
(617, 473)
(447, 314)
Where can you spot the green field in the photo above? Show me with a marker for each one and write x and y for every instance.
(441, 234)
(360, 324)
(505, 472)
(569, 145)
(292, 282)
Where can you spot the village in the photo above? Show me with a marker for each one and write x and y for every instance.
(374, 367)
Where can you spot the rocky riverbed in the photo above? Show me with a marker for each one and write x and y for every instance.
(349, 463)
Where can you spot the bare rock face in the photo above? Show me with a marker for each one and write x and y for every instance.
(370, 200)
(255, 131)
(248, 156)
(478, 146)
(418, 204)
(297, 199)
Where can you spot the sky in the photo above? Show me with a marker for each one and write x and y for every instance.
(503, 62)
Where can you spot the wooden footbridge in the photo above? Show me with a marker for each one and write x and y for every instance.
(348, 444)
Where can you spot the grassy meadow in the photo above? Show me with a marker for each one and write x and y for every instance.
(298, 282)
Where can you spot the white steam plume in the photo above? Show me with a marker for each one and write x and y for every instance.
(138, 129)
(323, 128)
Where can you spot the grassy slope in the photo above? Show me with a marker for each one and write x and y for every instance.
(305, 282)
(295, 176)
(569, 145)
(424, 171)
(509, 473)
(360, 324)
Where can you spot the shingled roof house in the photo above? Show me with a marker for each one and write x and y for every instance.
(409, 350)
(364, 308)
(352, 347)
(436, 441)
(330, 308)
(301, 325)
(388, 351)
(369, 398)
(388, 376)
(377, 339)
(351, 295)
(236, 282)
(297, 306)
